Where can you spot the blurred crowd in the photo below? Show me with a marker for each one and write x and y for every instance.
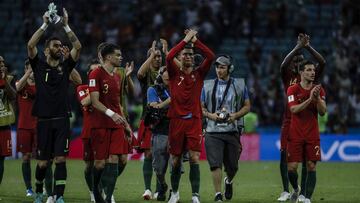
(134, 24)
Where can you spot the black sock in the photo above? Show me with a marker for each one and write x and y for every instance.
(194, 177)
(310, 184)
(26, 172)
(175, 178)
(112, 174)
(104, 181)
(88, 173)
(1, 167)
(293, 178)
(147, 172)
(49, 180)
(97, 173)
(39, 176)
(303, 178)
(60, 176)
(284, 171)
(121, 168)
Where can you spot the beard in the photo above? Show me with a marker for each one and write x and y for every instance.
(55, 55)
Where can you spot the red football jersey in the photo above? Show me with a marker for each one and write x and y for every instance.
(25, 99)
(289, 78)
(305, 122)
(109, 89)
(185, 89)
(82, 92)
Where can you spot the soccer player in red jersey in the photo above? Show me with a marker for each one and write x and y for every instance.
(306, 100)
(83, 97)
(110, 141)
(26, 129)
(185, 113)
(289, 76)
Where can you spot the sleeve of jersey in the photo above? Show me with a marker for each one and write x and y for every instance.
(209, 57)
(291, 100)
(170, 64)
(34, 61)
(152, 95)
(94, 81)
(81, 93)
(71, 63)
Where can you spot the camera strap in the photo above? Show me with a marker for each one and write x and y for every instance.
(213, 96)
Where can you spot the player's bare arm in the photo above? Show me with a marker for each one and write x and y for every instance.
(319, 58)
(19, 85)
(287, 60)
(76, 45)
(162, 104)
(94, 96)
(320, 102)
(34, 40)
(75, 77)
(242, 112)
(129, 86)
(11, 92)
(146, 65)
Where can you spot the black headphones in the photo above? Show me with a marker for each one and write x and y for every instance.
(225, 60)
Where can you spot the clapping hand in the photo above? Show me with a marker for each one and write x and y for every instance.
(129, 67)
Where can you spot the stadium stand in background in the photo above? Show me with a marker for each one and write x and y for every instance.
(258, 34)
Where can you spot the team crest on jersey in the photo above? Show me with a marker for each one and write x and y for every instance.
(92, 83)
(60, 70)
(291, 98)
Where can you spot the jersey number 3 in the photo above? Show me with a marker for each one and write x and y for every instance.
(105, 89)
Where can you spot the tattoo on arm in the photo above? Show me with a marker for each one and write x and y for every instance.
(72, 37)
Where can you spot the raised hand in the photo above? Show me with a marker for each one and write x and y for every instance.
(153, 48)
(300, 40)
(65, 51)
(164, 46)
(46, 17)
(306, 40)
(189, 35)
(65, 17)
(315, 92)
(129, 68)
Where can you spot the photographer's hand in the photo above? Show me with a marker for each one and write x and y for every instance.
(213, 116)
(232, 118)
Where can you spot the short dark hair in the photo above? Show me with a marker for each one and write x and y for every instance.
(189, 45)
(108, 49)
(304, 63)
(47, 42)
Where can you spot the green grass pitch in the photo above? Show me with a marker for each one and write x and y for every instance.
(255, 182)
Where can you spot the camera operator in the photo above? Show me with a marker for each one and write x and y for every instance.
(158, 99)
(225, 101)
